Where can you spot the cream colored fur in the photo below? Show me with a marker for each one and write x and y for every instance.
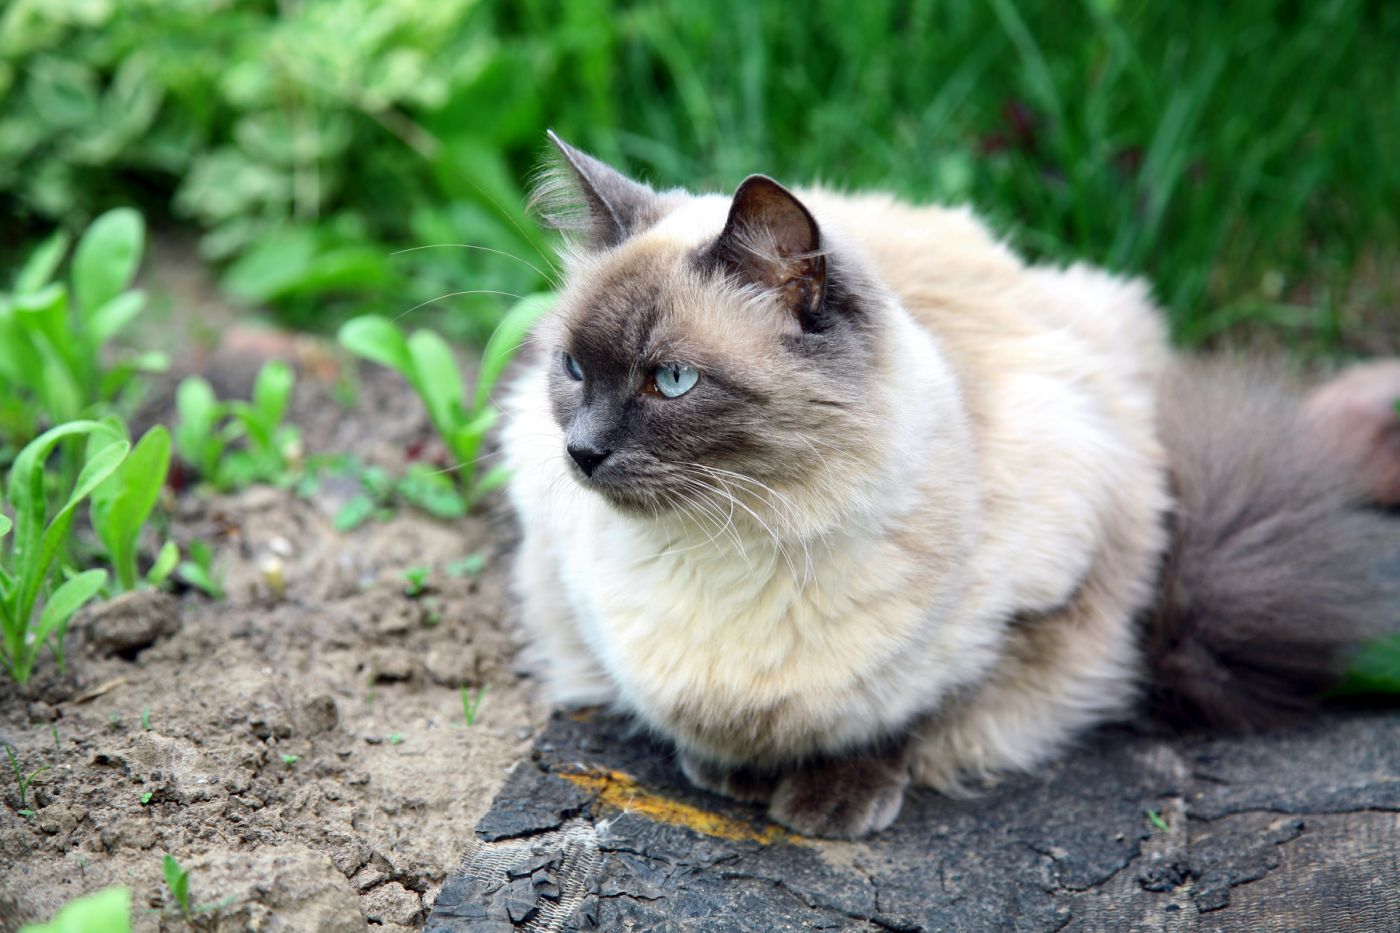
(972, 574)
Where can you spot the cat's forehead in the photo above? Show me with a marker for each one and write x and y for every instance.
(651, 300)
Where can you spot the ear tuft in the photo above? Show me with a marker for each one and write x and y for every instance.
(579, 193)
(772, 241)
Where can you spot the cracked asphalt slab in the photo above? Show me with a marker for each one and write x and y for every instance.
(1294, 830)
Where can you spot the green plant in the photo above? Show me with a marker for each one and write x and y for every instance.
(199, 571)
(1375, 668)
(53, 336)
(146, 720)
(289, 759)
(146, 797)
(471, 704)
(23, 781)
(106, 911)
(27, 566)
(1156, 820)
(425, 360)
(177, 881)
(208, 431)
(469, 566)
(416, 581)
(123, 503)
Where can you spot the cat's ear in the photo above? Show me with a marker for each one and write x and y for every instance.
(772, 241)
(588, 196)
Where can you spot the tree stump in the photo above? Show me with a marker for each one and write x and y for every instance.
(1294, 830)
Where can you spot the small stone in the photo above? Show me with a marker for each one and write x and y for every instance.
(450, 664)
(130, 622)
(368, 877)
(391, 664)
(318, 714)
(392, 903)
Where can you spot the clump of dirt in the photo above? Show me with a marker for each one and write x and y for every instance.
(300, 748)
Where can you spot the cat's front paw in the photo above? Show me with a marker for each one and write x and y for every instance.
(841, 798)
(741, 784)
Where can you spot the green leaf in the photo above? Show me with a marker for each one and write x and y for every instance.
(495, 478)
(272, 394)
(66, 600)
(178, 881)
(354, 513)
(42, 264)
(36, 545)
(378, 340)
(104, 323)
(506, 341)
(164, 565)
(199, 412)
(107, 911)
(5, 525)
(1375, 668)
(438, 381)
(123, 503)
(106, 259)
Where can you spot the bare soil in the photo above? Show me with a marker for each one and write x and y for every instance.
(304, 756)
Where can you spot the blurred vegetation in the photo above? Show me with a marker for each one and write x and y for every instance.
(1244, 156)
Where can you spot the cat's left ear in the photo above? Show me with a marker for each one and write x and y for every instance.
(772, 240)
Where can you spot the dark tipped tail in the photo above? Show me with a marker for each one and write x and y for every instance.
(1277, 570)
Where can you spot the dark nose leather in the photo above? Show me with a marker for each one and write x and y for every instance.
(587, 458)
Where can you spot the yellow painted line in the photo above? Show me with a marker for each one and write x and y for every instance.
(621, 792)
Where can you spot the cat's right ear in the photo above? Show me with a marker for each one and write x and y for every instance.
(581, 194)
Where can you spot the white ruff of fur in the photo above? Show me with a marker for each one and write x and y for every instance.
(970, 573)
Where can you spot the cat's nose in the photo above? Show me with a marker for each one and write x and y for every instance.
(587, 457)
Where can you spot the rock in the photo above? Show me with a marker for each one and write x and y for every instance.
(391, 664)
(451, 664)
(130, 622)
(392, 903)
(317, 714)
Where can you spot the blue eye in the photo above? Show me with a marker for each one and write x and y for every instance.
(572, 368)
(673, 379)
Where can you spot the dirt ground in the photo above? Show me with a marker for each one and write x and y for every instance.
(306, 758)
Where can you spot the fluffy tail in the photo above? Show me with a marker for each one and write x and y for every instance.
(1278, 569)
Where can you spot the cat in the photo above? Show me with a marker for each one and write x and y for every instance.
(839, 494)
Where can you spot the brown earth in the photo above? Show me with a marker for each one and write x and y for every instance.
(305, 758)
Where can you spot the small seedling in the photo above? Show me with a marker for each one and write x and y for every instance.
(24, 781)
(199, 571)
(469, 566)
(1156, 820)
(146, 720)
(394, 738)
(234, 444)
(289, 759)
(425, 360)
(107, 911)
(177, 880)
(416, 581)
(146, 797)
(29, 558)
(471, 705)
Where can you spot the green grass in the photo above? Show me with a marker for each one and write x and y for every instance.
(1243, 156)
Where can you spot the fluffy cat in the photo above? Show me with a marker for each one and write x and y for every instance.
(838, 493)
